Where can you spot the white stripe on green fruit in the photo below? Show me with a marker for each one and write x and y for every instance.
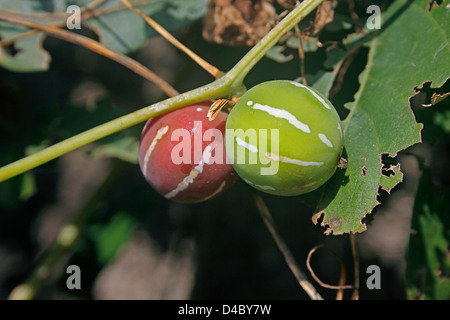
(246, 145)
(188, 180)
(281, 113)
(325, 140)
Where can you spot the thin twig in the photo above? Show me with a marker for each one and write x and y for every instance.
(354, 16)
(98, 48)
(163, 32)
(270, 224)
(227, 85)
(355, 294)
(341, 286)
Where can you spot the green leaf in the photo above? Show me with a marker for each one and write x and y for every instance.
(110, 237)
(411, 48)
(442, 119)
(428, 257)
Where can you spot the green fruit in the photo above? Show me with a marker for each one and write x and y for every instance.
(284, 138)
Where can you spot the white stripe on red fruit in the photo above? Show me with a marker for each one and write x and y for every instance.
(161, 132)
(246, 145)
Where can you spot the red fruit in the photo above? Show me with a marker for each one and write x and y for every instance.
(182, 154)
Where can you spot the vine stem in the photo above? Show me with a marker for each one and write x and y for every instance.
(228, 85)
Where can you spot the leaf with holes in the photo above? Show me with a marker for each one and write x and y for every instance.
(411, 47)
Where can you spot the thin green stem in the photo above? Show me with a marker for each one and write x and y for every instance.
(229, 84)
